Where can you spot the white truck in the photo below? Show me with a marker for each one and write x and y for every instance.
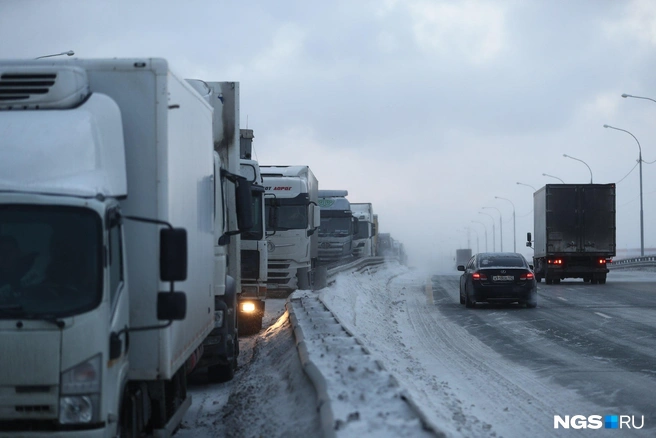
(292, 221)
(221, 347)
(99, 160)
(254, 257)
(338, 227)
(364, 242)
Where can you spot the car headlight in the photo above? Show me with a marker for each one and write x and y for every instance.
(218, 318)
(80, 392)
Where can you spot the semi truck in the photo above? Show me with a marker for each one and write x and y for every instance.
(338, 227)
(574, 226)
(106, 205)
(364, 240)
(292, 220)
(254, 256)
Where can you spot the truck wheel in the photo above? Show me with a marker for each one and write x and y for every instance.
(556, 281)
(221, 373)
(602, 280)
(538, 278)
(548, 280)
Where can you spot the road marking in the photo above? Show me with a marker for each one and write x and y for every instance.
(561, 298)
(605, 316)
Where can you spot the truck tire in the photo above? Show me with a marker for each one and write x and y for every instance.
(221, 373)
(538, 278)
(548, 280)
(602, 280)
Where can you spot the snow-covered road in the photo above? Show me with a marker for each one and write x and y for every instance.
(493, 371)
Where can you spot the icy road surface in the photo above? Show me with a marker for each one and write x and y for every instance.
(493, 371)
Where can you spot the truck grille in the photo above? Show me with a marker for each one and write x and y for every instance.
(250, 264)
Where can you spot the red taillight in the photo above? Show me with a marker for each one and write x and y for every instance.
(555, 262)
(602, 261)
(479, 276)
(527, 276)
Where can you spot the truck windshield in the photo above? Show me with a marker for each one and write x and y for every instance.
(257, 232)
(363, 231)
(286, 214)
(50, 261)
(335, 226)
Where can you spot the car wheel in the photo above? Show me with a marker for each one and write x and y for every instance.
(531, 304)
(462, 299)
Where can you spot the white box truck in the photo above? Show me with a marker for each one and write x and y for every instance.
(292, 221)
(254, 256)
(221, 347)
(98, 159)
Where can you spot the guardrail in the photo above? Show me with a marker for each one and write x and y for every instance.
(356, 265)
(634, 263)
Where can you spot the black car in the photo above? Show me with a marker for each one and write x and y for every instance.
(498, 277)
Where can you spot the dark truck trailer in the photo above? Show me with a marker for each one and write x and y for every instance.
(462, 256)
(574, 226)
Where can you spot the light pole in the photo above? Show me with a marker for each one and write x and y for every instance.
(514, 223)
(478, 247)
(67, 53)
(500, 228)
(527, 185)
(638, 97)
(485, 228)
(642, 224)
(555, 177)
(567, 156)
(494, 244)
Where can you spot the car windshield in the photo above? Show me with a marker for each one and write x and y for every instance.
(500, 261)
(50, 261)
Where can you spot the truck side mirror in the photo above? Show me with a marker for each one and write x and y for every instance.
(528, 237)
(316, 216)
(171, 306)
(244, 204)
(173, 254)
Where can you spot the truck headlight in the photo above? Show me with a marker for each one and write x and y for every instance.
(248, 307)
(80, 392)
(218, 318)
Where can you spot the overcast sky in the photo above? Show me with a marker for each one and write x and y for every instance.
(426, 108)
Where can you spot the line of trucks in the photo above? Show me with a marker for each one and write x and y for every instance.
(138, 240)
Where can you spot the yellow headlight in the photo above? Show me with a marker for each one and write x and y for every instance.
(248, 307)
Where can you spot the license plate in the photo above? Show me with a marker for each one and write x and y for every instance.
(503, 278)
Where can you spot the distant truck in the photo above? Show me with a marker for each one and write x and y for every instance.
(292, 222)
(364, 241)
(109, 191)
(462, 256)
(384, 246)
(574, 226)
(338, 227)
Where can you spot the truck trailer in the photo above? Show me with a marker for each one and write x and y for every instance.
(106, 166)
(292, 221)
(574, 226)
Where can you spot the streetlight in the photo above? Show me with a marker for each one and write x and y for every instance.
(514, 223)
(500, 228)
(485, 228)
(642, 226)
(638, 97)
(555, 177)
(494, 244)
(527, 185)
(567, 156)
(67, 53)
(478, 247)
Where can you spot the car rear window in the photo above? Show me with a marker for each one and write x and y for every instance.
(501, 261)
